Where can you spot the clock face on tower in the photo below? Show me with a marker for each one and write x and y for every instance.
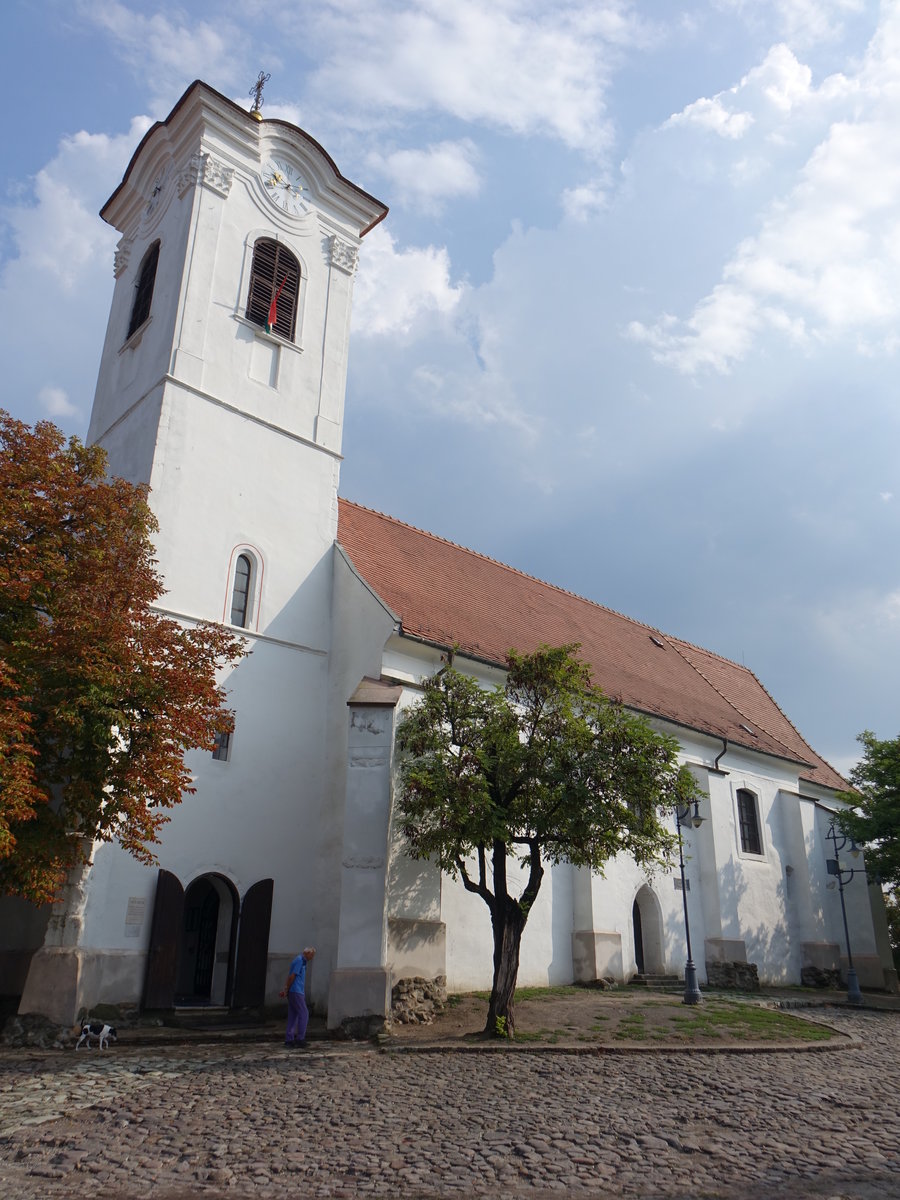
(284, 187)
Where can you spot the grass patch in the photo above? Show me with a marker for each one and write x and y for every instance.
(551, 1036)
(632, 1028)
(747, 1022)
(537, 993)
(623, 1017)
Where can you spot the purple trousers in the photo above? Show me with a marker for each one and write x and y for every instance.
(298, 1017)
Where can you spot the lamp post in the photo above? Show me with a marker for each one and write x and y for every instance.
(692, 994)
(843, 876)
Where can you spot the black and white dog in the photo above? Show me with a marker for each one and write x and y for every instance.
(104, 1034)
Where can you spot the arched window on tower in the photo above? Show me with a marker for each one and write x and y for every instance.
(274, 288)
(143, 295)
(241, 596)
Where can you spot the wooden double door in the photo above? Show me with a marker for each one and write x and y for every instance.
(207, 946)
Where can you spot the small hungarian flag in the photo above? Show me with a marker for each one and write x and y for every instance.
(273, 309)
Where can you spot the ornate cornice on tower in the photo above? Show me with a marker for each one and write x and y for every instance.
(204, 168)
(122, 255)
(344, 255)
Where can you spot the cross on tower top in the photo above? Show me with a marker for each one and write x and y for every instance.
(256, 91)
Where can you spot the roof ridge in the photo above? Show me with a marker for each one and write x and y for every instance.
(543, 582)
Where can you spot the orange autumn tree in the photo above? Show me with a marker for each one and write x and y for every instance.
(101, 695)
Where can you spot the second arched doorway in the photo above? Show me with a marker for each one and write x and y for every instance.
(646, 921)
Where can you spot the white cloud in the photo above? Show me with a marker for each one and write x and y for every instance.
(825, 261)
(516, 65)
(55, 228)
(431, 175)
(713, 115)
(720, 330)
(55, 290)
(168, 51)
(803, 22)
(782, 78)
(56, 403)
(483, 399)
(779, 84)
(584, 201)
(396, 288)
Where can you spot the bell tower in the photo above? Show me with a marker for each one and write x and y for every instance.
(221, 386)
(233, 419)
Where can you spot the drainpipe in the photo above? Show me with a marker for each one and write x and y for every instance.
(721, 755)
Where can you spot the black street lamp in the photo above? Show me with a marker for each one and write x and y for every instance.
(844, 876)
(692, 993)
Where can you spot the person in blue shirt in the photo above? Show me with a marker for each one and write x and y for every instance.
(295, 990)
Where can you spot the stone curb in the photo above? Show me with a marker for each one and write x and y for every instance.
(390, 1045)
(843, 1041)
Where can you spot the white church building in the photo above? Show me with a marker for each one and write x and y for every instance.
(288, 840)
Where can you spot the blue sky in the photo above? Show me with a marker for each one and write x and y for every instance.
(632, 322)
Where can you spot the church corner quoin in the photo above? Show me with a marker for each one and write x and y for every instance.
(221, 394)
(544, 769)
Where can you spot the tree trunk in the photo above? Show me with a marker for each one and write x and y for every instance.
(507, 921)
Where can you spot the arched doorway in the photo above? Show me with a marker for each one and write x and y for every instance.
(646, 919)
(195, 955)
(205, 961)
(638, 937)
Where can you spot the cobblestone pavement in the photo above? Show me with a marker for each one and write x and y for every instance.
(342, 1121)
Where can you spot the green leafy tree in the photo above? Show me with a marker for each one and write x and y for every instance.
(541, 770)
(874, 819)
(100, 694)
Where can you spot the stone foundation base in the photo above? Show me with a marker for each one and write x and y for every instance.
(820, 977)
(418, 1001)
(732, 976)
(358, 1029)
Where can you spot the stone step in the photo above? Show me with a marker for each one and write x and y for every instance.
(209, 1017)
(656, 981)
(194, 1010)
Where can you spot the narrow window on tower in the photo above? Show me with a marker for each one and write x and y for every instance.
(240, 591)
(143, 294)
(222, 749)
(274, 288)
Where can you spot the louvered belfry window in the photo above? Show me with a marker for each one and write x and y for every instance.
(274, 266)
(143, 296)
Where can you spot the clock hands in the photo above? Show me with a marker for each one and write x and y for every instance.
(284, 186)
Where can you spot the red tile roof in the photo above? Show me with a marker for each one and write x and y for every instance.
(449, 596)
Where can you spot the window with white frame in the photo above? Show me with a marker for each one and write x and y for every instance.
(748, 822)
(243, 589)
(274, 291)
